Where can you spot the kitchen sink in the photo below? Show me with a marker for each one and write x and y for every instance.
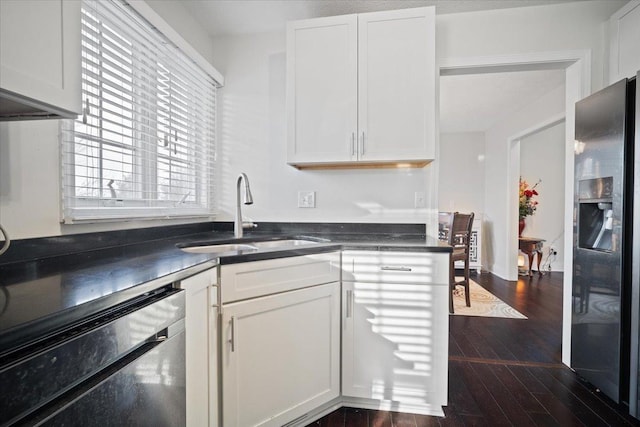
(227, 248)
(243, 248)
(282, 243)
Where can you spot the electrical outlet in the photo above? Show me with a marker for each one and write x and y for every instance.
(306, 199)
(418, 199)
(553, 251)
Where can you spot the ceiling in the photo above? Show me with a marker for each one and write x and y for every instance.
(232, 17)
(474, 103)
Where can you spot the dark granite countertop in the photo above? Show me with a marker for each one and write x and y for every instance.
(390, 243)
(42, 295)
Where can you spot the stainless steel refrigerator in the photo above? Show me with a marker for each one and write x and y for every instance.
(606, 243)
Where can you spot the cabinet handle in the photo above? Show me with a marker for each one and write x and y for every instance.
(349, 304)
(353, 143)
(232, 340)
(362, 146)
(391, 268)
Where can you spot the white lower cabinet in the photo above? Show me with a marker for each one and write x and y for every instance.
(395, 331)
(295, 343)
(200, 349)
(280, 356)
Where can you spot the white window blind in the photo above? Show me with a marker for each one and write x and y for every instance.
(145, 145)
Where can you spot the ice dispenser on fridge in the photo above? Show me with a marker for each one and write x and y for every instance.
(595, 216)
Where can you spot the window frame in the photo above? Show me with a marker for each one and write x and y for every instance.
(193, 152)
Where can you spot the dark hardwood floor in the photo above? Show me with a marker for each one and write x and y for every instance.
(506, 372)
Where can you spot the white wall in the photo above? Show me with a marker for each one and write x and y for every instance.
(461, 176)
(253, 140)
(542, 157)
(561, 27)
(252, 126)
(29, 158)
(184, 23)
(252, 122)
(29, 185)
(497, 182)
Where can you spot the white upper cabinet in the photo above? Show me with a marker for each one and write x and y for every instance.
(396, 85)
(361, 89)
(624, 34)
(322, 95)
(40, 58)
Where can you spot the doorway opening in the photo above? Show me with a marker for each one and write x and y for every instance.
(542, 169)
(502, 164)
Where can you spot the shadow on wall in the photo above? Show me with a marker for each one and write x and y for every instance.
(487, 244)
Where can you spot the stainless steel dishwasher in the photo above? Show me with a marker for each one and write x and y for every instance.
(121, 367)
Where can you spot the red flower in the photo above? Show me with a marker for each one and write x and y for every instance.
(526, 206)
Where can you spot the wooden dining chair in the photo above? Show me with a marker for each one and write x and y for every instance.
(459, 237)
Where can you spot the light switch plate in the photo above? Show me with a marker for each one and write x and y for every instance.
(306, 199)
(418, 199)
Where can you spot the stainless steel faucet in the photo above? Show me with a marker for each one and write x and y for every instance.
(238, 224)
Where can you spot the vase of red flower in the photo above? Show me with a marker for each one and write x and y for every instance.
(526, 204)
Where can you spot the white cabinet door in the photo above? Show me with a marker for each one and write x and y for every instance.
(322, 89)
(625, 42)
(394, 344)
(280, 356)
(396, 85)
(40, 53)
(200, 355)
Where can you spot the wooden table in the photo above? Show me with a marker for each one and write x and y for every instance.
(531, 246)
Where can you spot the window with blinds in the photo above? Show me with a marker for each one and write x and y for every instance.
(145, 144)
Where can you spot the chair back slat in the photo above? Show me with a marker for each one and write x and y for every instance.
(460, 229)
